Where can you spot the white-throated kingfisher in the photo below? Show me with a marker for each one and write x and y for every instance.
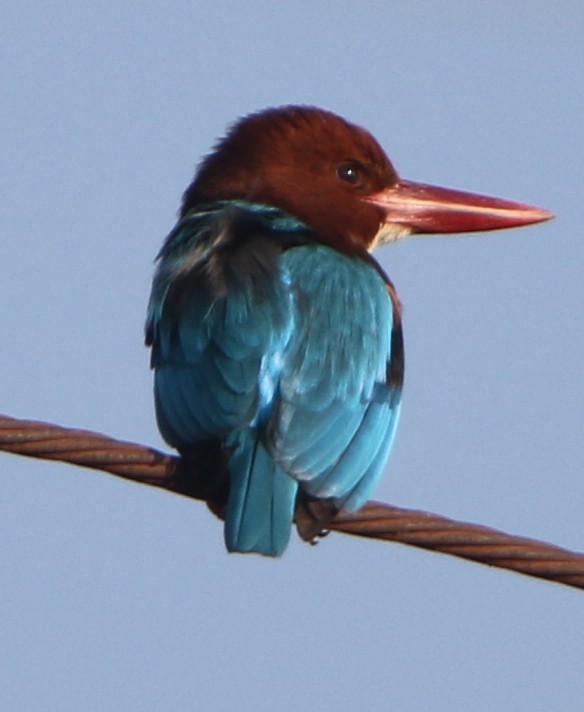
(276, 337)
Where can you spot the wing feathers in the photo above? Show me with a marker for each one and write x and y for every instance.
(280, 348)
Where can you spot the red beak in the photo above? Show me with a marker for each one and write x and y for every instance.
(429, 209)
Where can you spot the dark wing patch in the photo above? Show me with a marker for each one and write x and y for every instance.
(219, 308)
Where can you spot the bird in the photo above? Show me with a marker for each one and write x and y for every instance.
(276, 337)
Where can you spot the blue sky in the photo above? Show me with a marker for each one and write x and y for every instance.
(116, 596)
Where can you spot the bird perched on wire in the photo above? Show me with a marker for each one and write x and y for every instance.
(276, 337)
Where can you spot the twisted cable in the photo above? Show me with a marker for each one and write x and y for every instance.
(375, 520)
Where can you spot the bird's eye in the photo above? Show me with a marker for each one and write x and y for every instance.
(351, 173)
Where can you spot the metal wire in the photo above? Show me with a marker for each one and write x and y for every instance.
(375, 520)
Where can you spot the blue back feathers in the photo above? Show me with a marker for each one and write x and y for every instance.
(284, 350)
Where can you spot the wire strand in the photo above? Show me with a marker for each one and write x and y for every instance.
(375, 520)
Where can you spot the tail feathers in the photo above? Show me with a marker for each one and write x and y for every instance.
(262, 499)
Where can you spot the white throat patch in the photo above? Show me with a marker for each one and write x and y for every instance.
(389, 232)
